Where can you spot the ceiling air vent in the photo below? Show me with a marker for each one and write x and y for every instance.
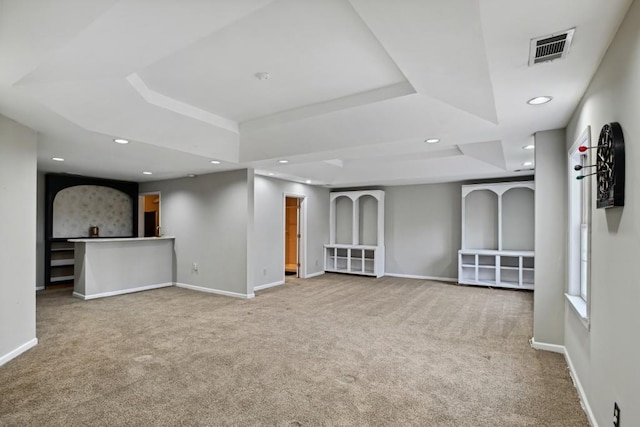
(548, 48)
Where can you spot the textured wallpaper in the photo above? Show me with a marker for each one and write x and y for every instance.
(75, 209)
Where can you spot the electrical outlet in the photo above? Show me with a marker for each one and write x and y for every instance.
(194, 266)
(616, 415)
(264, 271)
(317, 263)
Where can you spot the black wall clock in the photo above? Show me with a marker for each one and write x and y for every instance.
(610, 166)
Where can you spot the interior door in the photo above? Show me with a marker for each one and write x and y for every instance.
(292, 234)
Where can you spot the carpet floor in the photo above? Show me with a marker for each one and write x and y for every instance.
(333, 350)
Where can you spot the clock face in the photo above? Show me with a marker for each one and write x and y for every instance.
(610, 166)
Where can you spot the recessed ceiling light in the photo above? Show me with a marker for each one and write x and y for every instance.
(271, 173)
(308, 181)
(147, 173)
(529, 147)
(121, 141)
(191, 175)
(539, 100)
(58, 159)
(263, 75)
(431, 140)
(215, 162)
(527, 164)
(283, 161)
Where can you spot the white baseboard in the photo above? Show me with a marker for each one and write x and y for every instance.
(574, 376)
(413, 276)
(215, 291)
(40, 288)
(316, 274)
(18, 351)
(555, 348)
(121, 292)
(583, 397)
(268, 285)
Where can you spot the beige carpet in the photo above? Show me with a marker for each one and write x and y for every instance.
(334, 350)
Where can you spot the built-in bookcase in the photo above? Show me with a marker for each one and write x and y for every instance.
(356, 240)
(497, 235)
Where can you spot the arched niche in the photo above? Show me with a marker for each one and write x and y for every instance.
(518, 219)
(481, 220)
(56, 183)
(344, 220)
(368, 220)
(77, 208)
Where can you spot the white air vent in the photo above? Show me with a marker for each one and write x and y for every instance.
(548, 48)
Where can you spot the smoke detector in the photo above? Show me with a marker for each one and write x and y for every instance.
(551, 47)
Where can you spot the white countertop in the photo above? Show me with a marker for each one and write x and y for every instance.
(118, 239)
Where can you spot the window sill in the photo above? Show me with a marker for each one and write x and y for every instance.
(580, 307)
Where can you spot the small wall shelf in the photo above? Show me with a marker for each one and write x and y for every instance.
(62, 260)
(497, 235)
(356, 237)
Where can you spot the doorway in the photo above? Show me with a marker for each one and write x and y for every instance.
(149, 215)
(292, 236)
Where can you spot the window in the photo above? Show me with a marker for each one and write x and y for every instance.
(579, 226)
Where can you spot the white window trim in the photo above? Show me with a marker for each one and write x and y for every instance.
(579, 305)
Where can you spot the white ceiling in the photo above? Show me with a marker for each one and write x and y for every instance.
(356, 85)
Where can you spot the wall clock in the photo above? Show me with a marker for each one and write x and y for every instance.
(610, 166)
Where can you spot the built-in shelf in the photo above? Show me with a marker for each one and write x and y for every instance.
(497, 235)
(496, 274)
(359, 259)
(58, 279)
(356, 238)
(61, 261)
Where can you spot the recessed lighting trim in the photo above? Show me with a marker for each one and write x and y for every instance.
(215, 162)
(308, 181)
(529, 147)
(432, 140)
(147, 173)
(538, 100)
(58, 159)
(191, 175)
(271, 174)
(527, 164)
(283, 161)
(121, 141)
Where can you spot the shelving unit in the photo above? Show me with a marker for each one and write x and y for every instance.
(356, 238)
(61, 262)
(353, 259)
(506, 269)
(497, 235)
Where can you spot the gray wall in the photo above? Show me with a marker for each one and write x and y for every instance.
(368, 220)
(18, 230)
(344, 221)
(268, 248)
(606, 356)
(518, 208)
(422, 229)
(481, 220)
(550, 237)
(210, 217)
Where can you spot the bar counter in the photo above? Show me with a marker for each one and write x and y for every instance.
(112, 266)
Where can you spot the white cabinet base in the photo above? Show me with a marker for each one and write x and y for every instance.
(354, 259)
(504, 269)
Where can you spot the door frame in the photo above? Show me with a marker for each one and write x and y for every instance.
(302, 226)
(141, 210)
